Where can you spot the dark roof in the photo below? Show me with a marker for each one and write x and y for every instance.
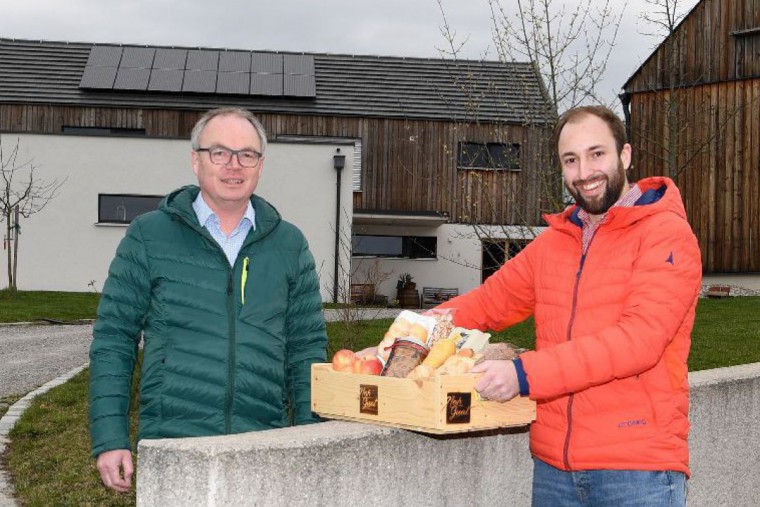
(46, 72)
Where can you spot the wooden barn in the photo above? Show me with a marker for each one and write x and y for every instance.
(693, 110)
(432, 143)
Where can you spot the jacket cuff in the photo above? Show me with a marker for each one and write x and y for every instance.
(522, 378)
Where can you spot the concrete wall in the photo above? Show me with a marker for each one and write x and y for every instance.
(64, 248)
(345, 464)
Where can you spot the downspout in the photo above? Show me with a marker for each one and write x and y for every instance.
(339, 162)
(625, 99)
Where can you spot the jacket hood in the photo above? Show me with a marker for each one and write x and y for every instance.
(659, 195)
(180, 203)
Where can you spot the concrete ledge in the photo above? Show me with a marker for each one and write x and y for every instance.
(335, 463)
(725, 454)
(342, 463)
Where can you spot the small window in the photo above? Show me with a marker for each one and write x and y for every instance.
(498, 251)
(123, 208)
(103, 131)
(500, 156)
(409, 247)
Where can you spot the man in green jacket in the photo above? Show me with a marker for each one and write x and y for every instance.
(225, 296)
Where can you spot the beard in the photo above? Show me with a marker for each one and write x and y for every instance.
(612, 192)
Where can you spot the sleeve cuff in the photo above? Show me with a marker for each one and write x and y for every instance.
(522, 378)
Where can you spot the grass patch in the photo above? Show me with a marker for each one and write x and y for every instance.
(49, 458)
(30, 306)
(726, 333)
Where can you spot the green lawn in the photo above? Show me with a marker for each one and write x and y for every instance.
(30, 306)
(726, 333)
(49, 451)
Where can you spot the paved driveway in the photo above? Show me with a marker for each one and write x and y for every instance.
(33, 355)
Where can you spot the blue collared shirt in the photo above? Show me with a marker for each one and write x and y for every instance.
(230, 244)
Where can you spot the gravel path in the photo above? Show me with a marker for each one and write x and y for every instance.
(33, 355)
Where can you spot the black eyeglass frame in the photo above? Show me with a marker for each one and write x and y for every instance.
(231, 152)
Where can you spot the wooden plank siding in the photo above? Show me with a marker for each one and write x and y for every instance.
(407, 164)
(709, 45)
(708, 70)
(719, 156)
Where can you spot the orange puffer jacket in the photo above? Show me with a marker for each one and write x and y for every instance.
(613, 329)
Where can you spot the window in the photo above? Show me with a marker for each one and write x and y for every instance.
(103, 131)
(505, 156)
(123, 208)
(410, 247)
(498, 251)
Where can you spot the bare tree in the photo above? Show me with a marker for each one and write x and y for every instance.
(680, 129)
(22, 194)
(569, 48)
(672, 150)
(355, 311)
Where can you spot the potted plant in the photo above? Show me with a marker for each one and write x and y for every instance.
(405, 282)
(407, 291)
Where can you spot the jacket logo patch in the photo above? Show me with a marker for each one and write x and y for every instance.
(670, 259)
(635, 422)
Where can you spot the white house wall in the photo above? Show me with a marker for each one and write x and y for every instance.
(63, 248)
(458, 265)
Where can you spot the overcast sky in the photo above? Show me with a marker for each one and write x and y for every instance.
(379, 27)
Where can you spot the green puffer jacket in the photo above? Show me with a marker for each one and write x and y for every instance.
(212, 363)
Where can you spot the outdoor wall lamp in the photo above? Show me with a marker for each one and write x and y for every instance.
(339, 160)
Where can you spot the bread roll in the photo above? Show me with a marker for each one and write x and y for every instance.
(456, 365)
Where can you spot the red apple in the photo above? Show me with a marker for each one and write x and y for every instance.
(368, 365)
(344, 360)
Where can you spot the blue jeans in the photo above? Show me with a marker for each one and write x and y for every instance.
(606, 488)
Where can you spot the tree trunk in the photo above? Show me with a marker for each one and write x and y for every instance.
(14, 285)
(7, 241)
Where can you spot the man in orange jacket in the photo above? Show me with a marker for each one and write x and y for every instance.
(613, 285)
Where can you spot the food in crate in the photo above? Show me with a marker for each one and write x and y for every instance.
(418, 346)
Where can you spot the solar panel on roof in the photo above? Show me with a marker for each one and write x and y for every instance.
(234, 61)
(140, 58)
(181, 70)
(170, 59)
(98, 77)
(104, 56)
(266, 84)
(233, 82)
(266, 63)
(298, 64)
(201, 81)
(201, 59)
(299, 86)
(131, 79)
(166, 80)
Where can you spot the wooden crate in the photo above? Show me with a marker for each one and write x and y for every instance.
(442, 404)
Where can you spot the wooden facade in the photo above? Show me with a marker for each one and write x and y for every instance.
(695, 116)
(407, 164)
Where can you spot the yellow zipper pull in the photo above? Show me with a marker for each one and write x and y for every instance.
(243, 280)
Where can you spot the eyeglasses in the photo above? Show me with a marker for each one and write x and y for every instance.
(223, 156)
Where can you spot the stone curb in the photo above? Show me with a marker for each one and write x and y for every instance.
(9, 420)
(48, 322)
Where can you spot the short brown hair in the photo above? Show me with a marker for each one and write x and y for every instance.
(228, 111)
(605, 114)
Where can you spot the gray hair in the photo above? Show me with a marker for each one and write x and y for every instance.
(228, 111)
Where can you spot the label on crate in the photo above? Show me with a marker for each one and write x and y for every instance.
(368, 399)
(458, 408)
